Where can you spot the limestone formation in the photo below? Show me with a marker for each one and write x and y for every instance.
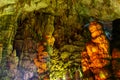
(61, 27)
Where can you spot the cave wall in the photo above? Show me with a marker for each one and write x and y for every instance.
(26, 23)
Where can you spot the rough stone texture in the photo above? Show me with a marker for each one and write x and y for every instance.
(100, 9)
(67, 47)
(23, 23)
(93, 57)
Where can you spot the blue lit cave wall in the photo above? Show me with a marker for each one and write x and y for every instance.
(50, 39)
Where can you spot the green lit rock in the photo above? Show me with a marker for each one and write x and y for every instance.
(65, 55)
(75, 55)
(33, 6)
(100, 9)
(70, 48)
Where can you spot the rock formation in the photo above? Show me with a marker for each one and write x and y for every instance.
(56, 25)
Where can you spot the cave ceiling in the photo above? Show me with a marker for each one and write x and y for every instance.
(67, 10)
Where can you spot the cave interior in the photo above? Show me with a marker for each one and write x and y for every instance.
(59, 40)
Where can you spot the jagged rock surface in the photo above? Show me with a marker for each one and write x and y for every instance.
(27, 22)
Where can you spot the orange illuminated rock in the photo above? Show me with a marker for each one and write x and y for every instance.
(41, 60)
(95, 29)
(100, 39)
(96, 50)
(40, 48)
(96, 33)
(42, 55)
(94, 26)
(45, 54)
(40, 71)
(37, 63)
(91, 48)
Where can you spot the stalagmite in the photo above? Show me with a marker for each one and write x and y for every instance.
(94, 58)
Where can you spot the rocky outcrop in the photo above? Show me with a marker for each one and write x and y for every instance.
(95, 58)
